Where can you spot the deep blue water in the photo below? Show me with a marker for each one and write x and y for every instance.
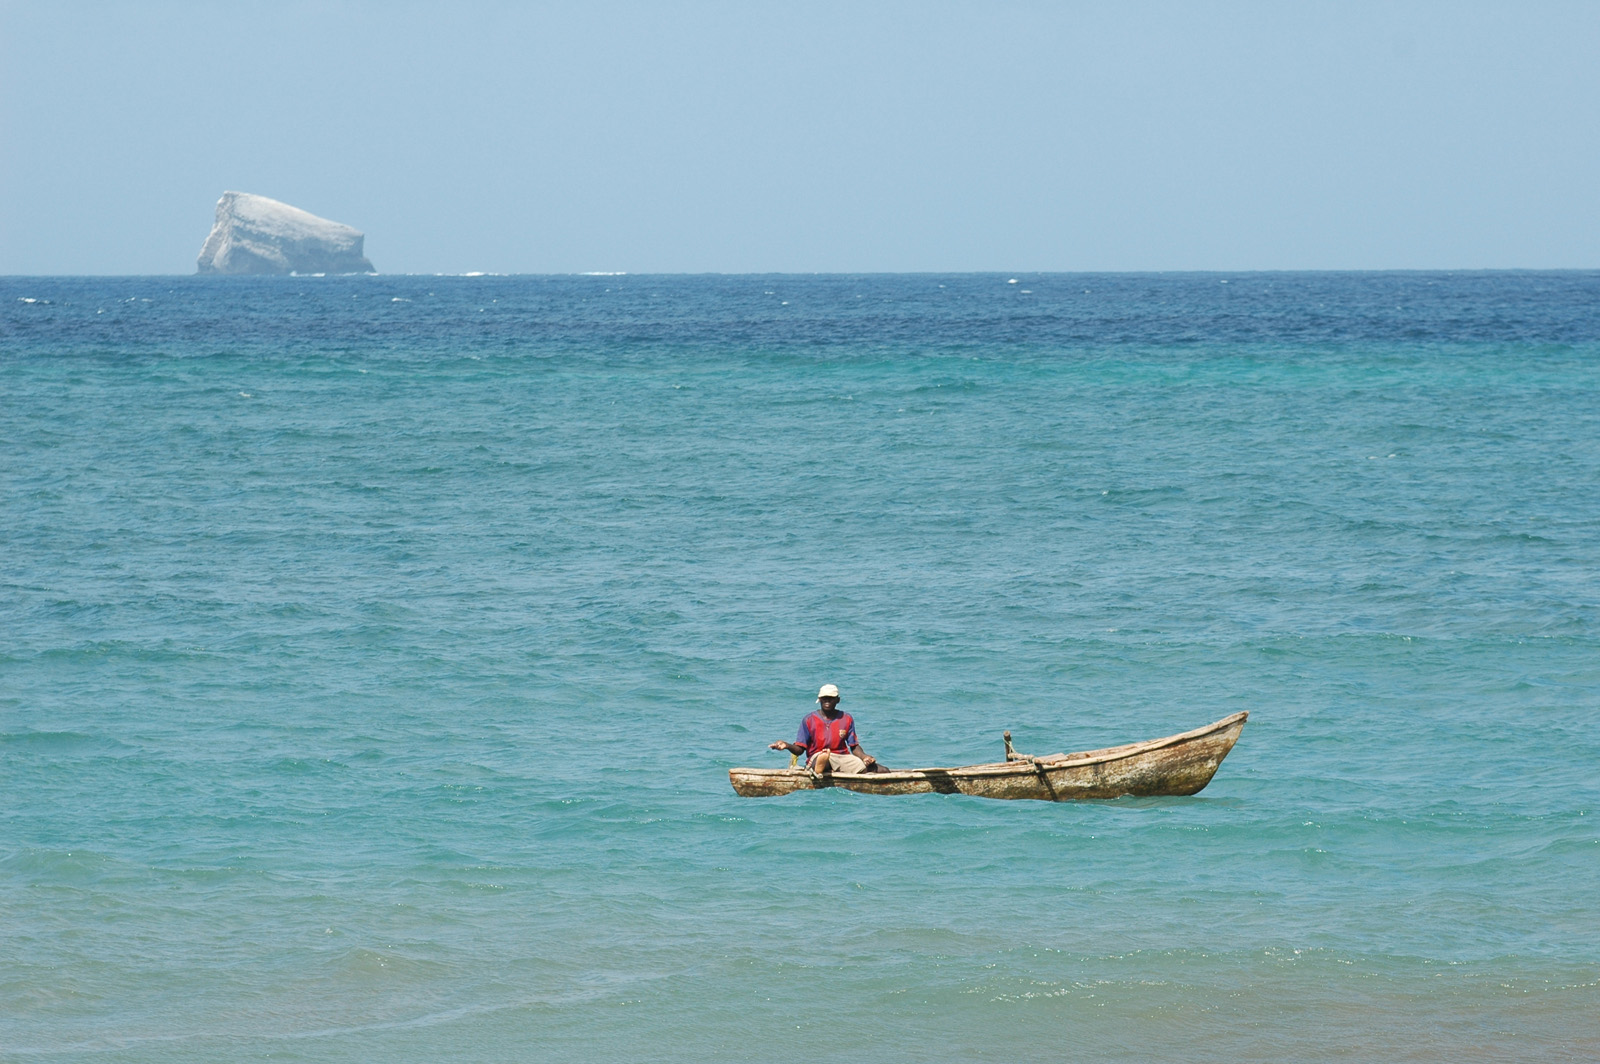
(373, 652)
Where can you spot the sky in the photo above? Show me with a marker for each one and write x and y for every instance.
(799, 137)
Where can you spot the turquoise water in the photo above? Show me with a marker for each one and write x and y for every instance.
(375, 649)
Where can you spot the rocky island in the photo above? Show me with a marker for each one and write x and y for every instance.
(254, 234)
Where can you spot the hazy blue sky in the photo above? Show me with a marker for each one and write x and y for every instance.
(797, 136)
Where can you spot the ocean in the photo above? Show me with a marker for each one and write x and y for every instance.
(373, 651)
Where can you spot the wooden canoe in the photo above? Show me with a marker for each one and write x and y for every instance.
(1177, 764)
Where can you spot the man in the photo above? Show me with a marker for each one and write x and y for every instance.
(828, 739)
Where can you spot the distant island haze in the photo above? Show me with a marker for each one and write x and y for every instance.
(257, 235)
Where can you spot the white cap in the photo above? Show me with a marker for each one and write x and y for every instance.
(828, 691)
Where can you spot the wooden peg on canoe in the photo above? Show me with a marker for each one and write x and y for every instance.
(1012, 755)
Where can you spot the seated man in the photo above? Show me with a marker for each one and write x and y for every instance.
(828, 739)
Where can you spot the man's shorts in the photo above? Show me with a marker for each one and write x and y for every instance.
(845, 764)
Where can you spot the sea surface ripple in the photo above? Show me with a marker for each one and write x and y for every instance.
(375, 650)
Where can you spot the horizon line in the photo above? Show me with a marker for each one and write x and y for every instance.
(612, 274)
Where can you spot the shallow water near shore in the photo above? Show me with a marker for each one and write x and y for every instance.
(375, 650)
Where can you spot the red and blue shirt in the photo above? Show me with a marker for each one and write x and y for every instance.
(818, 733)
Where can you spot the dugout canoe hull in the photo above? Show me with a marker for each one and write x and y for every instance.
(1174, 765)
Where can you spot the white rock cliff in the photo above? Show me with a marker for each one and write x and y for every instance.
(254, 234)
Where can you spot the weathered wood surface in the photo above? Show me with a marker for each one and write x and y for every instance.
(1177, 764)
